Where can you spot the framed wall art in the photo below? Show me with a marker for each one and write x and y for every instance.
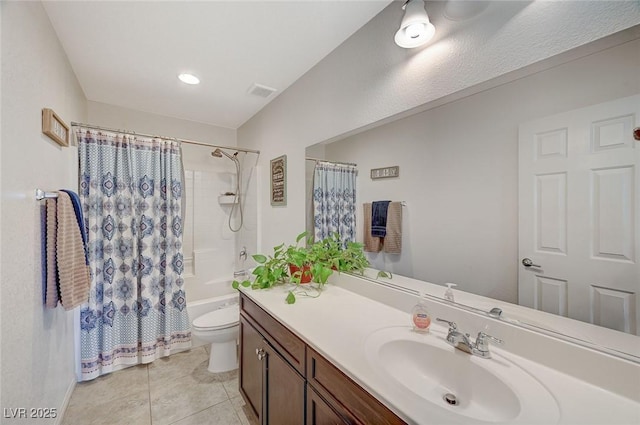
(279, 181)
(54, 127)
(385, 172)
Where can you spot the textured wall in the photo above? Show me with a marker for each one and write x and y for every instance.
(37, 364)
(145, 122)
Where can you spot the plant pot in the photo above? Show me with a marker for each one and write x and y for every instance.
(306, 272)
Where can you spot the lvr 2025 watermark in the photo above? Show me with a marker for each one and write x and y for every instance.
(29, 413)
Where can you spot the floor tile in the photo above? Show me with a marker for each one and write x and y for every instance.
(244, 412)
(175, 399)
(200, 373)
(178, 365)
(132, 409)
(108, 387)
(173, 390)
(220, 414)
(231, 386)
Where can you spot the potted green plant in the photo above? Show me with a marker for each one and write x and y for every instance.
(299, 263)
(315, 262)
(270, 271)
(333, 253)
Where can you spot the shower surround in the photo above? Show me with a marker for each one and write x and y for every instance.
(211, 249)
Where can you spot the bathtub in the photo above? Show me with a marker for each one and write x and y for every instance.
(201, 306)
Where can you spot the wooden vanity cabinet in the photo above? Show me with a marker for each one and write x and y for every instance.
(284, 381)
(271, 371)
(320, 412)
(345, 399)
(251, 367)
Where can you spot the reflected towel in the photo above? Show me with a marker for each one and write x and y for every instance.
(371, 243)
(51, 292)
(379, 218)
(73, 272)
(392, 242)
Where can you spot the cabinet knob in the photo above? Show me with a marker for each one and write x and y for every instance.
(260, 353)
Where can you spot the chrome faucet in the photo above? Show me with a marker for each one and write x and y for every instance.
(463, 342)
(456, 338)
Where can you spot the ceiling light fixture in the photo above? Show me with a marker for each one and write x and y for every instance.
(415, 28)
(189, 79)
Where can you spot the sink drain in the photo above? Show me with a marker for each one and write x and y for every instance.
(451, 399)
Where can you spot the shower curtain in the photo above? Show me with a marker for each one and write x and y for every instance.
(132, 200)
(334, 201)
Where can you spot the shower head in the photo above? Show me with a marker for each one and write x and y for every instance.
(219, 152)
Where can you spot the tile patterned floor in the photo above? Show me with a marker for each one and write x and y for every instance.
(175, 390)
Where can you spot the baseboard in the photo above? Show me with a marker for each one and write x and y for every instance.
(65, 402)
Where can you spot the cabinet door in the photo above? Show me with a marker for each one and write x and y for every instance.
(319, 412)
(251, 372)
(285, 390)
(345, 396)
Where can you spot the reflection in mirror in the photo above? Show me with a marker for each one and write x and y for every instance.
(619, 344)
(542, 166)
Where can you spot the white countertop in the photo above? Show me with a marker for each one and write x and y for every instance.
(338, 322)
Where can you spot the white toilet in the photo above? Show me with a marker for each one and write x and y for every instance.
(220, 328)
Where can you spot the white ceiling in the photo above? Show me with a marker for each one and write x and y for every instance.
(129, 53)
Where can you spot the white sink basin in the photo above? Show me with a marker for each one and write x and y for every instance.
(486, 390)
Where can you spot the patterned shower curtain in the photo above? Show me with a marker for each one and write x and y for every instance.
(131, 190)
(334, 201)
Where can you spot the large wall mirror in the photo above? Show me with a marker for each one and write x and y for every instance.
(540, 166)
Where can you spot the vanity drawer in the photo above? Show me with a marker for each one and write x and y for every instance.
(288, 345)
(347, 398)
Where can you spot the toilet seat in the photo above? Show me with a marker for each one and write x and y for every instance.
(221, 318)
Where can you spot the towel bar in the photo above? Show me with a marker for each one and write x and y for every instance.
(403, 203)
(41, 194)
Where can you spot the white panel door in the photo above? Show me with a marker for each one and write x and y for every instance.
(579, 209)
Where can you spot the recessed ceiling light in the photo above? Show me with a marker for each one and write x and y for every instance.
(189, 79)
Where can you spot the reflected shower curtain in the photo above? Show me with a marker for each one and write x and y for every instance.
(334, 201)
(131, 194)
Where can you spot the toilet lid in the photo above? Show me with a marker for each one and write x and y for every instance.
(224, 317)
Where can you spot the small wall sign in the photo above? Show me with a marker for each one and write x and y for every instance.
(279, 181)
(54, 127)
(385, 173)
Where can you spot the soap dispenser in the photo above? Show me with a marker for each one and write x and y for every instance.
(420, 317)
(448, 294)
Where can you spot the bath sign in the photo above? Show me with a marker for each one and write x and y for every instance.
(385, 173)
(54, 127)
(279, 181)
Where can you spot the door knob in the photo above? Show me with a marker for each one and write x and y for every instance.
(528, 263)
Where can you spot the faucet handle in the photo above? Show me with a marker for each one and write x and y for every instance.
(481, 346)
(482, 343)
(452, 325)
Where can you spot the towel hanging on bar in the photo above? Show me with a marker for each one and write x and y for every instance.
(391, 243)
(67, 277)
(41, 194)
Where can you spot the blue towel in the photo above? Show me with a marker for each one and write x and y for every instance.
(77, 208)
(379, 218)
(43, 249)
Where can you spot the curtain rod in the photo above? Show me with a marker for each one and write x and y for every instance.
(190, 142)
(332, 162)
